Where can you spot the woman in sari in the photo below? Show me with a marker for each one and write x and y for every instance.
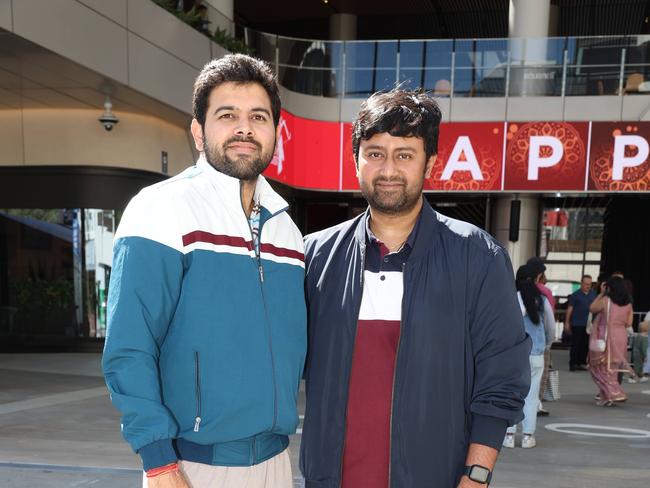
(614, 309)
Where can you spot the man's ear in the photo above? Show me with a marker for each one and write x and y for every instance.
(429, 166)
(278, 132)
(197, 134)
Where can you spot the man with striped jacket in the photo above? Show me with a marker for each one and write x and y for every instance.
(207, 323)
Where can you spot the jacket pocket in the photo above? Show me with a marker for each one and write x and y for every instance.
(197, 388)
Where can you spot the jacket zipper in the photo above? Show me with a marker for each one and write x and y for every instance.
(197, 371)
(392, 397)
(253, 455)
(345, 418)
(266, 312)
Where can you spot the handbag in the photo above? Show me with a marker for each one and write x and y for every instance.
(590, 324)
(552, 387)
(599, 345)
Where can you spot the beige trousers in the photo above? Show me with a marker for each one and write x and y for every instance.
(273, 473)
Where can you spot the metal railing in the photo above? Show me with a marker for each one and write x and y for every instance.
(567, 66)
(504, 67)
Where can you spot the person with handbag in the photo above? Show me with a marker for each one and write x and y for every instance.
(608, 340)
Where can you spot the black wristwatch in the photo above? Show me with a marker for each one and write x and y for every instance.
(478, 473)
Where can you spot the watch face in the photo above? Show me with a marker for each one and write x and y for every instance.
(479, 474)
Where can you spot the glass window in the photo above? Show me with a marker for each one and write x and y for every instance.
(571, 242)
(480, 67)
(594, 65)
(310, 67)
(55, 269)
(426, 64)
(370, 66)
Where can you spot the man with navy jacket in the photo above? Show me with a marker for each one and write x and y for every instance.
(418, 359)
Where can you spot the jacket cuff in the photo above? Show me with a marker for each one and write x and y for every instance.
(157, 454)
(488, 431)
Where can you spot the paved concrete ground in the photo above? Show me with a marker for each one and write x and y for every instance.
(58, 429)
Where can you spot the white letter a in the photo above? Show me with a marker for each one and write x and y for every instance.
(463, 145)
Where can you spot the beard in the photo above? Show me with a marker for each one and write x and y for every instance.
(244, 168)
(397, 201)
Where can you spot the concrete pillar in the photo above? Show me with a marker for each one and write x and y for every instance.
(343, 27)
(526, 246)
(529, 18)
(528, 26)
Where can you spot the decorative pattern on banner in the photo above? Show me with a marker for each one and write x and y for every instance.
(469, 157)
(539, 156)
(619, 157)
(546, 156)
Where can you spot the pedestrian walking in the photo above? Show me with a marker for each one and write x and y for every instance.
(538, 268)
(608, 340)
(575, 323)
(539, 322)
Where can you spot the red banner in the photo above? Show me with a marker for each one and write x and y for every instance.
(472, 156)
(546, 156)
(619, 157)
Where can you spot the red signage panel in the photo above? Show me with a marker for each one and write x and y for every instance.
(349, 180)
(619, 156)
(470, 157)
(546, 156)
(307, 153)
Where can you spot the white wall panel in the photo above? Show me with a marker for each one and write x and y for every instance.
(5, 15)
(75, 31)
(603, 107)
(534, 108)
(160, 75)
(113, 9)
(161, 28)
(478, 109)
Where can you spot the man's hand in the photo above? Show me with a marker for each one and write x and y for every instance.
(173, 479)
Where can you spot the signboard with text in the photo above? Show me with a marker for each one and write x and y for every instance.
(481, 156)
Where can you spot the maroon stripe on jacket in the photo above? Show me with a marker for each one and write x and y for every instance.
(219, 240)
(282, 252)
(223, 240)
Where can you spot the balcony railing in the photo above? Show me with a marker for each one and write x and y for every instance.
(553, 66)
(567, 66)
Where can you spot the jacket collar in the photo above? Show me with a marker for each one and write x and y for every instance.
(427, 227)
(230, 188)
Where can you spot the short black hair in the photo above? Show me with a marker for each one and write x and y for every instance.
(234, 68)
(401, 113)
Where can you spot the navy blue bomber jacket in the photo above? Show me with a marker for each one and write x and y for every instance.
(462, 369)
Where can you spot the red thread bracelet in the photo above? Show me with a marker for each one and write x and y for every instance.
(168, 468)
